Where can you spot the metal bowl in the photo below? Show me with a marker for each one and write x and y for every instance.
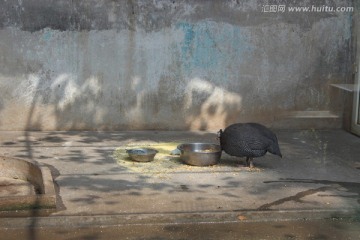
(200, 154)
(142, 154)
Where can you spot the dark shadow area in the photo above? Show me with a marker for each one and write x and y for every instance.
(80, 16)
(55, 174)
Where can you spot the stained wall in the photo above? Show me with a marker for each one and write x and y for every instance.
(167, 65)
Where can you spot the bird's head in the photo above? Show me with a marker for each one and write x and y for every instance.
(274, 149)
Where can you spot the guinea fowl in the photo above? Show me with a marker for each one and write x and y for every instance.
(248, 140)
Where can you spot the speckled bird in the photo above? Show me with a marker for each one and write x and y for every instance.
(248, 140)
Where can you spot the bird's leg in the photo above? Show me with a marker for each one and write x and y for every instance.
(249, 162)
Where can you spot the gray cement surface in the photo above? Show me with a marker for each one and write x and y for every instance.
(317, 178)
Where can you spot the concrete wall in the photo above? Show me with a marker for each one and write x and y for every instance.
(139, 64)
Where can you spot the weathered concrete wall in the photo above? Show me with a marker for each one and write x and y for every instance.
(138, 64)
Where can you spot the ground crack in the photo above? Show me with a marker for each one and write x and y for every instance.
(297, 197)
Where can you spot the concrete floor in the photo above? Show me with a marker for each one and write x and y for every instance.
(317, 178)
(284, 230)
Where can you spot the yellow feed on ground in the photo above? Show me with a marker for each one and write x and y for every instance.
(164, 163)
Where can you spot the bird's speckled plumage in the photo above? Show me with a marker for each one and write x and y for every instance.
(248, 140)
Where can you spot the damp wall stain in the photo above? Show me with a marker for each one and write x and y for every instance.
(198, 65)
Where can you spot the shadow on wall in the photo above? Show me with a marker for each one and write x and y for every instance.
(133, 80)
(208, 107)
(75, 105)
(62, 104)
(165, 65)
(69, 103)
